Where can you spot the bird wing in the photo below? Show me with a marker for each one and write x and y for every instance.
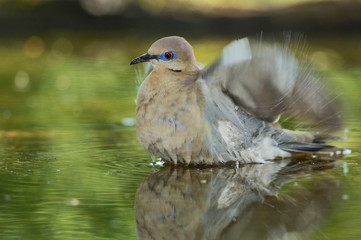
(266, 80)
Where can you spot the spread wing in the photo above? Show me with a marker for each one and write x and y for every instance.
(267, 80)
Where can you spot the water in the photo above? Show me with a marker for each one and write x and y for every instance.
(72, 168)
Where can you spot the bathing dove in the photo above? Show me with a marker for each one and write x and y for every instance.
(229, 110)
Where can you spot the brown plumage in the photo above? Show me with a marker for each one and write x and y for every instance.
(227, 111)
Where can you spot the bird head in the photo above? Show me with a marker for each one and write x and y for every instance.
(170, 53)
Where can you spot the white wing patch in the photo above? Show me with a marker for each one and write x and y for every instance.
(237, 51)
(264, 148)
(269, 150)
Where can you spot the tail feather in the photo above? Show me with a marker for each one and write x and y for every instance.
(295, 147)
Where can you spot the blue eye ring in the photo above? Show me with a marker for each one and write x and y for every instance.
(168, 55)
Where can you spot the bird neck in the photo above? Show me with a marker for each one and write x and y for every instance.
(166, 87)
(171, 80)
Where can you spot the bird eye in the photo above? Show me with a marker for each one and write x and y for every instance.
(168, 55)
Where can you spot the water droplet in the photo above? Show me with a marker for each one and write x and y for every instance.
(347, 152)
(345, 168)
(21, 80)
(345, 197)
(72, 202)
(129, 122)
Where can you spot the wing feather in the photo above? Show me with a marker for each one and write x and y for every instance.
(266, 80)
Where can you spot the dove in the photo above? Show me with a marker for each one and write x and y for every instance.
(229, 111)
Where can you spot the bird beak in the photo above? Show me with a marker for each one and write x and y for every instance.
(144, 58)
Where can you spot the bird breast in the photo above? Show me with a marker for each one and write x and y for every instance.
(170, 120)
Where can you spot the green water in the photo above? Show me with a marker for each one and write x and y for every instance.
(70, 165)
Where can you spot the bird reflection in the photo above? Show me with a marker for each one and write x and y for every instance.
(234, 203)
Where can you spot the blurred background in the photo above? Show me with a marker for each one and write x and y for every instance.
(195, 17)
(70, 163)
